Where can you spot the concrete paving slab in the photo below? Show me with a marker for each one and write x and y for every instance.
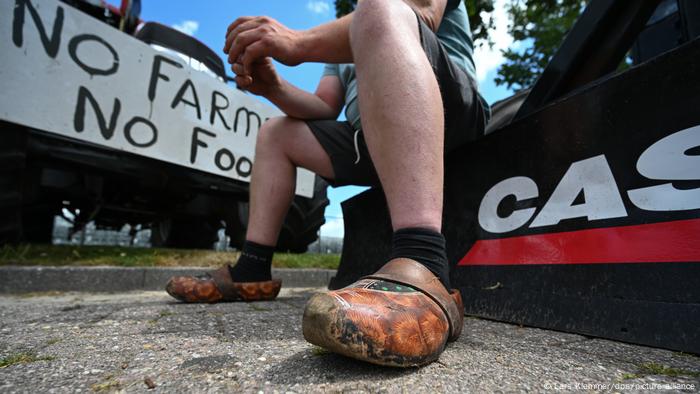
(80, 342)
(16, 279)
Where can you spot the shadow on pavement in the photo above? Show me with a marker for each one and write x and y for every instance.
(317, 365)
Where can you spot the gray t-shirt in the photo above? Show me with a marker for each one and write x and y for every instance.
(455, 35)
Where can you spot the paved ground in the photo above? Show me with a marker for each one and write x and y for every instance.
(19, 279)
(76, 342)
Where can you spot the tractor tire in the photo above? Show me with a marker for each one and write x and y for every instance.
(237, 224)
(300, 228)
(12, 162)
(304, 219)
(37, 224)
(10, 210)
(185, 233)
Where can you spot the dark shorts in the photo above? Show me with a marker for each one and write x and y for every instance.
(465, 119)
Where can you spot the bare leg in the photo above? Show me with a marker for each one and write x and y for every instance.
(402, 120)
(283, 144)
(401, 107)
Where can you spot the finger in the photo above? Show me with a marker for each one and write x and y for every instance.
(248, 25)
(227, 42)
(253, 53)
(243, 82)
(241, 42)
(262, 62)
(232, 26)
(237, 69)
(237, 22)
(240, 28)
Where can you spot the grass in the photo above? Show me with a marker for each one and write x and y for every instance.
(658, 369)
(306, 260)
(109, 385)
(686, 355)
(40, 294)
(319, 351)
(22, 358)
(647, 369)
(254, 307)
(70, 255)
(161, 315)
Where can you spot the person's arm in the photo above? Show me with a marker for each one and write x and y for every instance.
(264, 81)
(329, 42)
(325, 103)
(252, 38)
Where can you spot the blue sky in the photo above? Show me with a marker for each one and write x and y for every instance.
(207, 20)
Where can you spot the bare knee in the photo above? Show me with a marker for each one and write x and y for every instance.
(270, 137)
(374, 19)
(281, 137)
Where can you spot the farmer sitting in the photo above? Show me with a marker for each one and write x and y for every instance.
(405, 74)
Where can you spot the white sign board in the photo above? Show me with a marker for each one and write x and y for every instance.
(64, 72)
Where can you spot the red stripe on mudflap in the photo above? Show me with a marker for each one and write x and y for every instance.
(677, 241)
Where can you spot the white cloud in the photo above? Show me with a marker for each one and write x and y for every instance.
(187, 27)
(334, 227)
(488, 59)
(318, 7)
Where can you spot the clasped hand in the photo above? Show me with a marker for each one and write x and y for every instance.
(251, 43)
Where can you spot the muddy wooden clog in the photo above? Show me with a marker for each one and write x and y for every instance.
(400, 316)
(217, 286)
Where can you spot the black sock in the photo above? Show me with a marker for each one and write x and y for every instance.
(424, 245)
(254, 264)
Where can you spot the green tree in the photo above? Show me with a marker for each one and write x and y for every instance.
(344, 7)
(538, 26)
(480, 26)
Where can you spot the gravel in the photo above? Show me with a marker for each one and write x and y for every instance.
(145, 342)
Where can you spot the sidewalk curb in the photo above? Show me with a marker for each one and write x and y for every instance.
(17, 279)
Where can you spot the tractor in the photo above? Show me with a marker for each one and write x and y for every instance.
(579, 209)
(108, 119)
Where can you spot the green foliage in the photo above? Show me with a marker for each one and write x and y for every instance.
(344, 7)
(477, 9)
(539, 26)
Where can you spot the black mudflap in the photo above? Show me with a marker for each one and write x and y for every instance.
(582, 217)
